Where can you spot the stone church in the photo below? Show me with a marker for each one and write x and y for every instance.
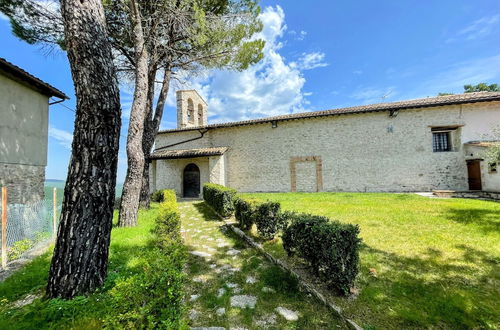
(422, 145)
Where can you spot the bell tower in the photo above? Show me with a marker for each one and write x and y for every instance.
(191, 109)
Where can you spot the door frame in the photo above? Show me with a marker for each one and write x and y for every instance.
(478, 162)
(319, 171)
(184, 180)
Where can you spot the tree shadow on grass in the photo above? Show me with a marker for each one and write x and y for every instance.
(430, 291)
(487, 220)
(207, 212)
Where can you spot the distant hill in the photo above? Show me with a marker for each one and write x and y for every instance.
(59, 184)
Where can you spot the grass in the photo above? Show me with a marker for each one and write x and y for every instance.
(128, 268)
(204, 232)
(425, 263)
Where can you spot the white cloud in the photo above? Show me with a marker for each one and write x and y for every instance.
(269, 88)
(63, 137)
(309, 61)
(357, 72)
(478, 29)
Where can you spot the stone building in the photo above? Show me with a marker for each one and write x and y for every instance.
(416, 145)
(24, 108)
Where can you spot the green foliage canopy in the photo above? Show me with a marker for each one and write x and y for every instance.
(185, 35)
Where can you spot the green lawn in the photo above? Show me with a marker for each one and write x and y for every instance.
(425, 263)
(121, 303)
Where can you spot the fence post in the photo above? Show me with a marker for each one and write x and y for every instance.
(4, 227)
(54, 218)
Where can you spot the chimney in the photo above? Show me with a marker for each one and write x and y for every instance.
(191, 109)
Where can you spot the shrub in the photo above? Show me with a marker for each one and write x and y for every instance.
(268, 220)
(330, 247)
(244, 212)
(168, 222)
(153, 299)
(298, 233)
(157, 196)
(220, 198)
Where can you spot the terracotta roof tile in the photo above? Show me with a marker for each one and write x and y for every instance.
(34, 82)
(187, 153)
(400, 105)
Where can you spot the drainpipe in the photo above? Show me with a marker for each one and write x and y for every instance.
(55, 102)
(201, 131)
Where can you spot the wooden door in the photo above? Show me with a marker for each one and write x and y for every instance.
(474, 171)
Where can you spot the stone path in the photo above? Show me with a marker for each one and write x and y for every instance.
(233, 287)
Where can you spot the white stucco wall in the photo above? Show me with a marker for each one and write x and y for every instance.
(360, 152)
(23, 124)
(23, 140)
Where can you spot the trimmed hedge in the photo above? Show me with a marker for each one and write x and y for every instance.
(330, 247)
(220, 198)
(167, 228)
(244, 212)
(298, 233)
(268, 219)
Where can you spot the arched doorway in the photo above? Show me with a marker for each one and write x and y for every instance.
(191, 181)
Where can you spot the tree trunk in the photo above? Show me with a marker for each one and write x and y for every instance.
(129, 206)
(150, 131)
(80, 260)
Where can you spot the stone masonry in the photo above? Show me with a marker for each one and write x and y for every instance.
(362, 152)
(24, 182)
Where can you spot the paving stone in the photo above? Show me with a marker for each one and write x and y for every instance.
(194, 314)
(266, 321)
(289, 315)
(200, 279)
(220, 311)
(233, 252)
(208, 248)
(243, 301)
(221, 292)
(251, 280)
(201, 254)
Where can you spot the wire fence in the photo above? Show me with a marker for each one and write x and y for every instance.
(26, 225)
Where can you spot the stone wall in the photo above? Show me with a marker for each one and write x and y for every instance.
(24, 182)
(366, 152)
(191, 109)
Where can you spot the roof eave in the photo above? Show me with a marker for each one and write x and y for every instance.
(327, 113)
(17, 74)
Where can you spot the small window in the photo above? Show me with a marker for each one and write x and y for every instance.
(190, 112)
(441, 141)
(200, 114)
(492, 167)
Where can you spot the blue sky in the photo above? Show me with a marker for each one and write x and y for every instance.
(319, 55)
